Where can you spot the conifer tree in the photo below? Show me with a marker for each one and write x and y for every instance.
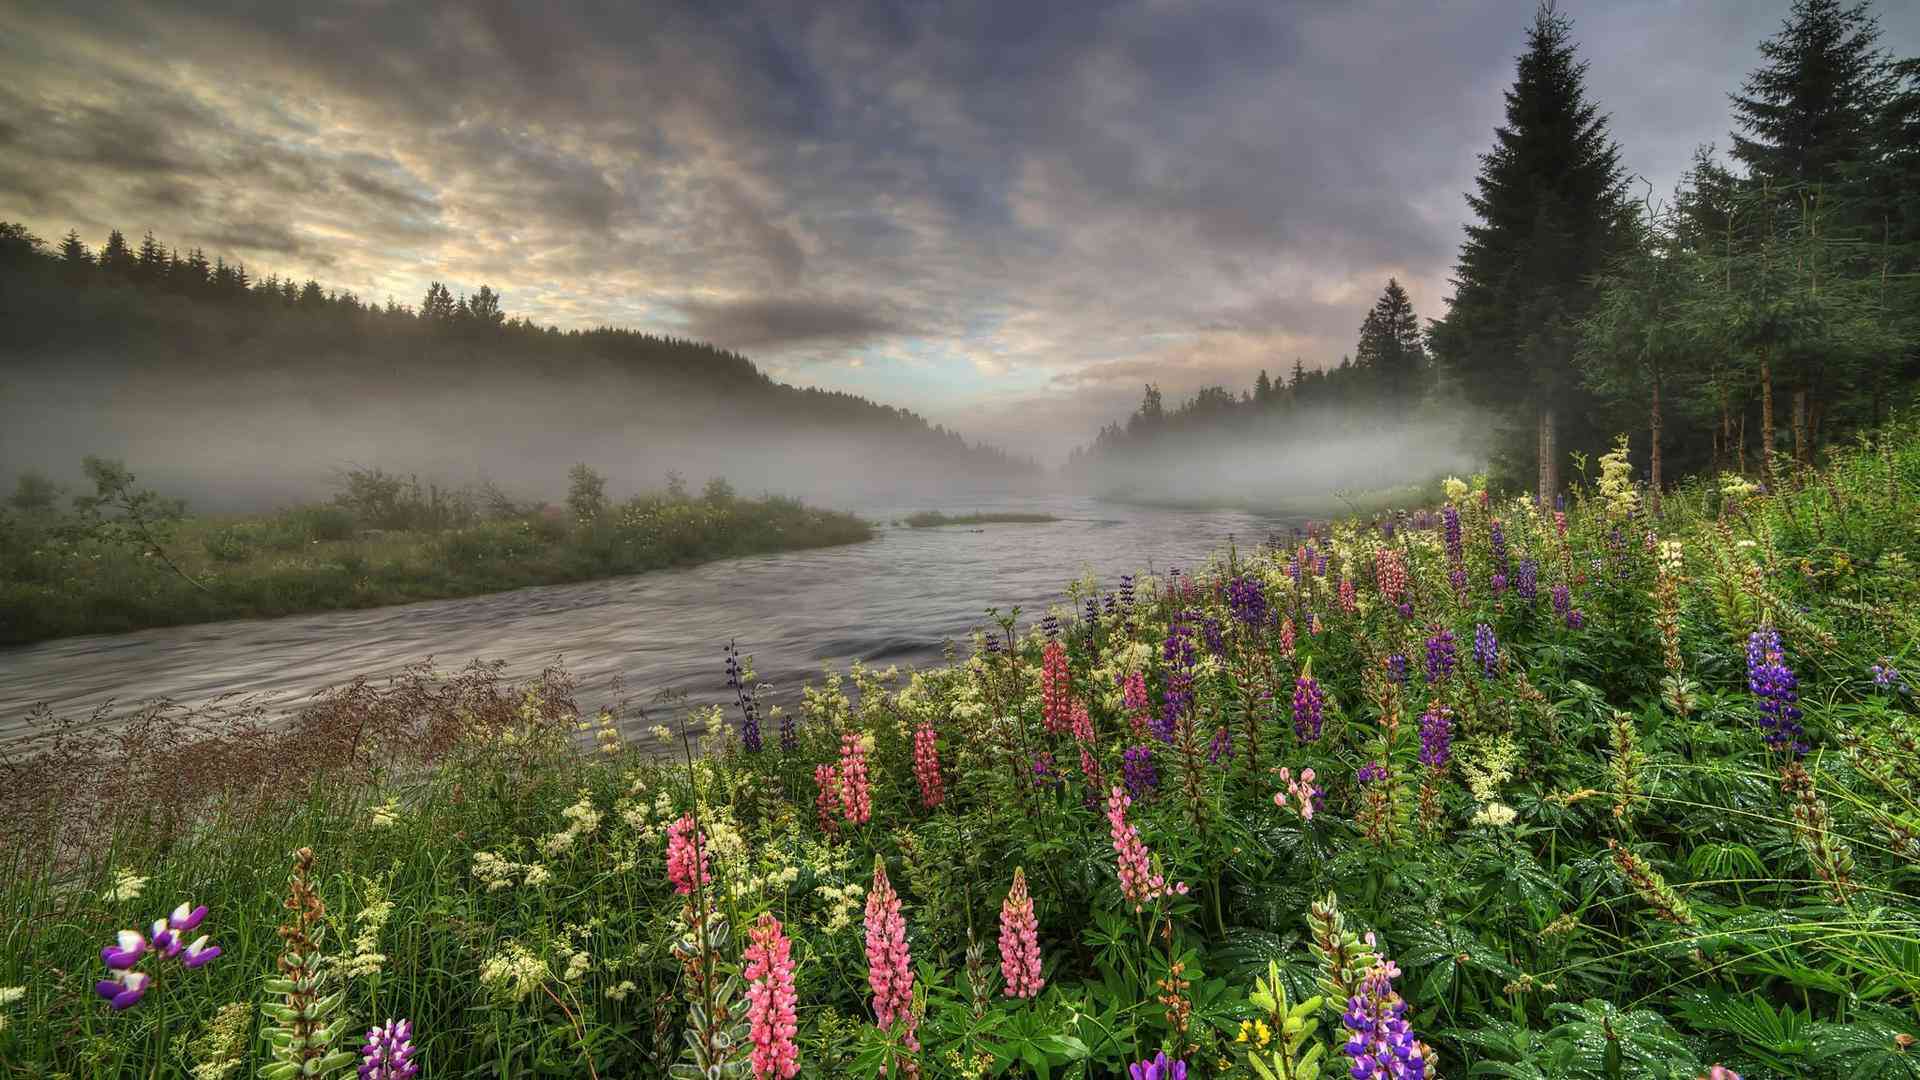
(1550, 207)
(75, 262)
(116, 259)
(1810, 109)
(1390, 348)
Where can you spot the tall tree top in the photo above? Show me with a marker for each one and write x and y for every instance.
(1810, 107)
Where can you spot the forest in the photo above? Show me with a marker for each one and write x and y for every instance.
(1767, 307)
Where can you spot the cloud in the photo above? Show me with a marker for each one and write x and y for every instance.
(1042, 204)
(776, 323)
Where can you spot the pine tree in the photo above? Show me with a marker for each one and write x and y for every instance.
(116, 259)
(1390, 349)
(1263, 390)
(75, 263)
(1810, 108)
(151, 266)
(1550, 204)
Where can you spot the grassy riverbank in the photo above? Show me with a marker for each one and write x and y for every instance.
(929, 519)
(1593, 797)
(59, 577)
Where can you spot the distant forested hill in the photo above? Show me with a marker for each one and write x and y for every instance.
(188, 367)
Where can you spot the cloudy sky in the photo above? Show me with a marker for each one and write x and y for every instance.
(1006, 216)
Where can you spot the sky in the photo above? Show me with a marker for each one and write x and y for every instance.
(1005, 216)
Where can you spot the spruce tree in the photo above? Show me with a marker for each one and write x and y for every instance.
(1390, 349)
(75, 262)
(1550, 209)
(1809, 110)
(116, 259)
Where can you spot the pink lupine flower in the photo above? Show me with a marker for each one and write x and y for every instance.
(1313, 623)
(1056, 687)
(1132, 861)
(1390, 574)
(1348, 602)
(1133, 696)
(826, 804)
(1301, 789)
(856, 795)
(1090, 769)
(1560, 523)
(1080, 723)
(889, 968)
(1286, 637)
(926, 766)
(770, 1000)
(1020, 941)
(686, 856)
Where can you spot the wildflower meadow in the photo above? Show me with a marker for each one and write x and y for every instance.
(1485, 788)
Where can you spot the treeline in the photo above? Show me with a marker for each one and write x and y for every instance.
(1766, 308)
(191, 314)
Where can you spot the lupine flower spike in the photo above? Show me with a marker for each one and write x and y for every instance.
(165, 940)
(1020, 941)
(1157, 1067)
(771, 1020)
(388, 1054)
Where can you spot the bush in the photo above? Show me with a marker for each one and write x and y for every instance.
(233, 543)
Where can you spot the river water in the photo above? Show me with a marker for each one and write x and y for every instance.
(898, 598)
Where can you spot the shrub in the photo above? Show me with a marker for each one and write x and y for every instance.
(232, 543)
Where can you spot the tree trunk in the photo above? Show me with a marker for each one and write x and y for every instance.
(1766, 417)
(1800, 425)
(1743, 440)
(1653, 478)
(1549, 460)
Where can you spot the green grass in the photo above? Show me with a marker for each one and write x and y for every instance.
(54, 584)
(1611, 875)
(928, 519)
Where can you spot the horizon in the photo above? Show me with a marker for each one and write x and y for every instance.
(1004, 222)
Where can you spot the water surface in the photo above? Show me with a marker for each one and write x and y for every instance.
(898, 598)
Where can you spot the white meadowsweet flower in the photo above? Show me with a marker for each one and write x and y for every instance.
(127, 885)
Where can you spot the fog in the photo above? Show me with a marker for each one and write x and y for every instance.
(1277, 463)
(240, 440)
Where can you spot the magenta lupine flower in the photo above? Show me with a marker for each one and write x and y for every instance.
(388, 1054)
(926, 766)
(1133, 698)
(771, 1020)
(1560, 523)
(1136, 769)
(1776, 690)
(856, 794)
(826, 804)
(1381, 1042)
(686, 856)
(1157, 1067)
(1486, 650)
(1309, 706)
(1080, 723)
(1133, 863)
(1020, 941)
(1441, 655)
(889, 967)
(1436, 735)
(1056, 687)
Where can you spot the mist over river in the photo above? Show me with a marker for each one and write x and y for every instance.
(898, 598)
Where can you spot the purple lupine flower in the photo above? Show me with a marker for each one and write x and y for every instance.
(1436, 735)
(1397, 668)
(1526, 581)
(1450, 518)
(1497, 584)
(1214, 635)
(1248, 601)
(1050, 626)
(1136, 769)
(1320, 564)
(1370, 772)
(1044, 773)
(1178, 652)
(749, 709)
(388, 1054)
(1457, 577)
(1441, 656)
(1309, 707)
(1575, 619)
(126, 951)
(1381, 1042)
(1157, 1068)
(1221, 745)
(1888, 677)
(1497, 539)
(1126, 593)
(1486, 649)
(1776, 690)
(1562, 599)
(125, 989)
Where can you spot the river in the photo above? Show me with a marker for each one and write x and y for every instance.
(898, 598)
